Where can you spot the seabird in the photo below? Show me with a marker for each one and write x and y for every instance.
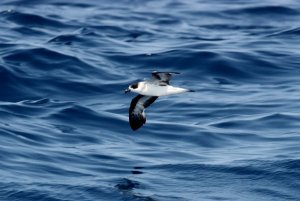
(149, 91)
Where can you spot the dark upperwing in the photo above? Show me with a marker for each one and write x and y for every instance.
(163, 77)
(138, 104)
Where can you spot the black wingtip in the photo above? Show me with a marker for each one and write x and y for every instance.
(135, 129)
(190, 90)
(136, 122)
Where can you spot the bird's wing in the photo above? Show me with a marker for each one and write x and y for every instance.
(163, 77)
(137, 116)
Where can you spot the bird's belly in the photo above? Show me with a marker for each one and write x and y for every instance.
(155, 91)
(162, 90)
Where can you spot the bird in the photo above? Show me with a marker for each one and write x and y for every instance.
(148, 91)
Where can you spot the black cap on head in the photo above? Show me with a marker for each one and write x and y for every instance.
(134, 86)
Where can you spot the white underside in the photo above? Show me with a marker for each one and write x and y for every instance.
(156, 90)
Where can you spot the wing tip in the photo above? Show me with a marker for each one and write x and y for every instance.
(136, 125)
(136, 121)
(135, 129)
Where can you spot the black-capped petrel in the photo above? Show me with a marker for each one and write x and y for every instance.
(149, 91)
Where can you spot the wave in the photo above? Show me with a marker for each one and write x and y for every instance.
(289, 32)
(36, 72)
(266, 10)
(32, 20)
(272, 121)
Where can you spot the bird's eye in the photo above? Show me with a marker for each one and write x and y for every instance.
(134, 86)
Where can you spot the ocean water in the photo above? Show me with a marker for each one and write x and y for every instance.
(64, 132)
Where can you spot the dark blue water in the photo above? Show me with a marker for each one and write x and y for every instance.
(63, 112)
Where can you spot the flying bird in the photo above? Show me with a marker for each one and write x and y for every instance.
(149, 91)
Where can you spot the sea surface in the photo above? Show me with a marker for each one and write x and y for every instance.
(64, 132)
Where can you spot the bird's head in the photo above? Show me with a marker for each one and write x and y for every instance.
(133, 87)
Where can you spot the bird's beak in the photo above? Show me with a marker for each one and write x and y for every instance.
(127, 90)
